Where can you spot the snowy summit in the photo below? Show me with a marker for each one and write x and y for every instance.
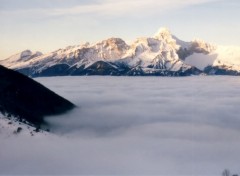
(163, 54)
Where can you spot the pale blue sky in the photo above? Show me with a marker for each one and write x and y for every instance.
(46, 25)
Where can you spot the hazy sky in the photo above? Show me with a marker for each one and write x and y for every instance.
(46, 25)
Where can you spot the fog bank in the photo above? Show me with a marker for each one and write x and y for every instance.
(134, 125)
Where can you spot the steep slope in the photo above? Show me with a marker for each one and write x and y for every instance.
(224, 60)
(158, 53)
(18, 59)
(69, 60)
(25, 98)
(163, 54)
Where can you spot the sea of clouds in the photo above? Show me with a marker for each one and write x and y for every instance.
(134, 125)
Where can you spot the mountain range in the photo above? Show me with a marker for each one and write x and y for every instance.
(162, 54)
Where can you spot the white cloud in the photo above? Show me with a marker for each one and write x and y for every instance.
(127, 7)
(115, 8)
(134, 126)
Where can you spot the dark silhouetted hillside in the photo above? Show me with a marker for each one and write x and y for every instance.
(27, 99)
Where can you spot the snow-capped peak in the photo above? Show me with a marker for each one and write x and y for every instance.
(28, 53)
(161, 51)
(21, 57)
(163, 34)
(25, 53)
(110, 49)
(114, 44)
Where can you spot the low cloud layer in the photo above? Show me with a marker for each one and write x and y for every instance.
(134, 125)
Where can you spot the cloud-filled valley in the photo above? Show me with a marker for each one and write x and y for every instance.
(134, 125)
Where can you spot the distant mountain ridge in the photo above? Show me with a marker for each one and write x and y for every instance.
(163, 54)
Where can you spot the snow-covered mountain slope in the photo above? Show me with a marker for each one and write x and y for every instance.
(20, 58)
(223, 57)
(162, 54)
(11, 126)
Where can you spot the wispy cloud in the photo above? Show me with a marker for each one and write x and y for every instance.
(114, 8)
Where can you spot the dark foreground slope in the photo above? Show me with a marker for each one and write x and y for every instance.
(26, 99)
